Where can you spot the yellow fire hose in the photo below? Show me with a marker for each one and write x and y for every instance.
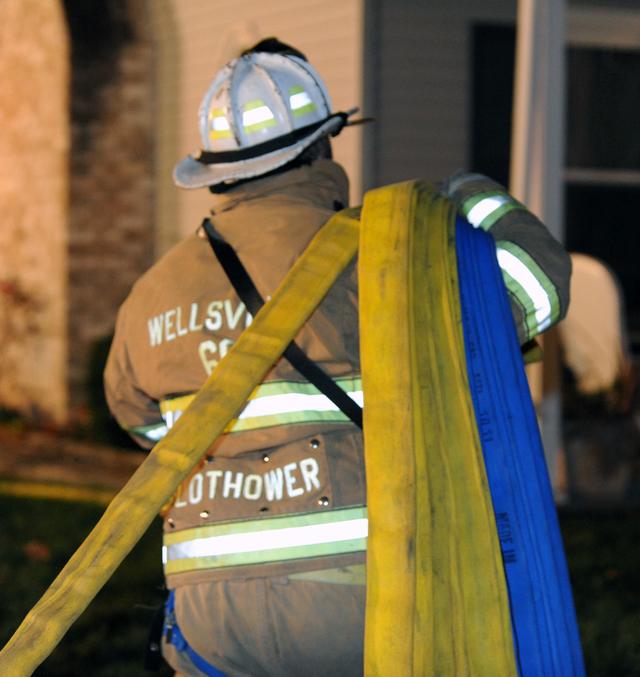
(436, 599)
(436, 593)
(219, 401)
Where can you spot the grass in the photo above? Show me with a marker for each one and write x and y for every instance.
(108, 640)
(604, 559)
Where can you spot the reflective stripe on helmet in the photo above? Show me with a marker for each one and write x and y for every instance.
(276, 539)
(220, 128)
(256, 116)
(300, 102)
(278, 403)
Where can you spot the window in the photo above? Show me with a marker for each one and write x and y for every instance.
(602, 176)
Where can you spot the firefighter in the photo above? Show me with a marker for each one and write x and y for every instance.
(256, 586)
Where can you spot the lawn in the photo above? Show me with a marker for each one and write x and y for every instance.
(603, 551)
(109, 638)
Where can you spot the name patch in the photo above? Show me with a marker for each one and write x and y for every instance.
(289, 481)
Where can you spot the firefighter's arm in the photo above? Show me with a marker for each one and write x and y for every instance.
(135, 411)
(536, 267)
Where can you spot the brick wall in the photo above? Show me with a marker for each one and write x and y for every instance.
(110, 220)
(33, 207)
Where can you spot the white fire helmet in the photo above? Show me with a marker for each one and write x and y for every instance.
(260, 112)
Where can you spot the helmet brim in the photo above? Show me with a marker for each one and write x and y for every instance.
(191, 173)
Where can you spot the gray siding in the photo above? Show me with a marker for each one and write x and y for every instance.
(418, 84)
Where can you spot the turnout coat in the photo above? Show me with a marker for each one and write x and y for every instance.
(290, 463)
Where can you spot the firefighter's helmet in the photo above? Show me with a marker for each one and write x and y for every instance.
(260, 112)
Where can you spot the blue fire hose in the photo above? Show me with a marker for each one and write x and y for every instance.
(544, 623)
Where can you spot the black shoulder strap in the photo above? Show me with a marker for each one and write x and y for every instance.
(250, 296)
